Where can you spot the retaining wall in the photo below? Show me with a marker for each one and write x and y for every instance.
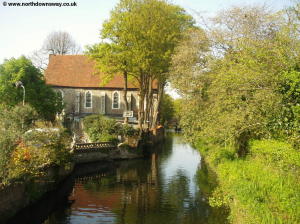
(18, 195)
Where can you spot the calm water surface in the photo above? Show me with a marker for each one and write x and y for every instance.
(168, 187)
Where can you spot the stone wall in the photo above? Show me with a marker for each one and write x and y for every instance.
(74, 99)
(106, 155)
(18, 195)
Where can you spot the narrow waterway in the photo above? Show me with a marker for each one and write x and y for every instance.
(164, 188)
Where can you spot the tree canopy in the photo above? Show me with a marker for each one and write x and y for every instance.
(139, 38)
(234, 77)
(40, 96)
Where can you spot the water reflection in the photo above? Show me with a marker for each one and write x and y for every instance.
(160, 189)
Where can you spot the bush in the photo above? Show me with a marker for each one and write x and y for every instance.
(37, 149)
(126, 130)
(14, 121)
(100, 128)
(23, 152)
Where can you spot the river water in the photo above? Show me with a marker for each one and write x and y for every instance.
(167, 187)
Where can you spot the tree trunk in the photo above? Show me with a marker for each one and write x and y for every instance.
(141, 101)
(242, 143)
(125, 95)
(156, 109)
(141, 111)
(149, 99)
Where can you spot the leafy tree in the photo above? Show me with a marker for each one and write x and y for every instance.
(40, 96)
(234, 94)
(111, 59)
(167, 109)
(142, 36)
(288, 123)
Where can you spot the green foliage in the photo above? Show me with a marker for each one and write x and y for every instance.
(177, 109)
(39, 148)
(151, 46)
(239, 89)
(167, 109)
(288, 123)
(100, 128)
(235, 91)
(278, 154)
(40, 96)
(126, 130)
(138, 41)
(24, 153)
(261, 188)
(14, 121)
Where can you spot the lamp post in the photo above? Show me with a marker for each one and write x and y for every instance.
(20, 84)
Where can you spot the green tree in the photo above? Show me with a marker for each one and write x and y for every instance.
(234, 93)
(167, 109)
(142, 36)
(111, 59)
(40, 96)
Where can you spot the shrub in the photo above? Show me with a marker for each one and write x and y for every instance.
(14, 121)
(100, 128)
(126, 130)
(37, 149)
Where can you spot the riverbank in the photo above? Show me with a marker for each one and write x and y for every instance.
(161, 188)
(17, 195)
(262, 188)
(20, 194)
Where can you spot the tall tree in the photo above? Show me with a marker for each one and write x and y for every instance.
(57, 42)
(236, 96)
(111, 60)
(60, 42)
(146, 32)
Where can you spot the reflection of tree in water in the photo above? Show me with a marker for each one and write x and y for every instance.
(136, 192)
(177, 190)
(165, 150)
(206, 180)
(188, 208)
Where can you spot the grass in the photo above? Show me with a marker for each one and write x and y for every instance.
(261, 188)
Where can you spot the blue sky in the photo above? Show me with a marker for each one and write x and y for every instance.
(24, 29)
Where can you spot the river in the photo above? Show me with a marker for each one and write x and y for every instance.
(167, 187)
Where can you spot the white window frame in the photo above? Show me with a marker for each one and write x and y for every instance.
(112, 102)
(86, 92)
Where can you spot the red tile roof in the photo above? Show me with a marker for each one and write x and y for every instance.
(78, 71)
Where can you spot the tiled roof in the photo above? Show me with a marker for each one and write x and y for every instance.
(78, 71)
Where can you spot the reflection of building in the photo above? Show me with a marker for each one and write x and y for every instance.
(83, 91)
(127, 194)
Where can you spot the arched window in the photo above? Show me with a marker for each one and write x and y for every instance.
(88, 99)
(116, 100)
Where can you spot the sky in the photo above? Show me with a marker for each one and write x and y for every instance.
(24, 29)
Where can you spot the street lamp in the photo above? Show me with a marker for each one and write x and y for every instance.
(20, 84)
